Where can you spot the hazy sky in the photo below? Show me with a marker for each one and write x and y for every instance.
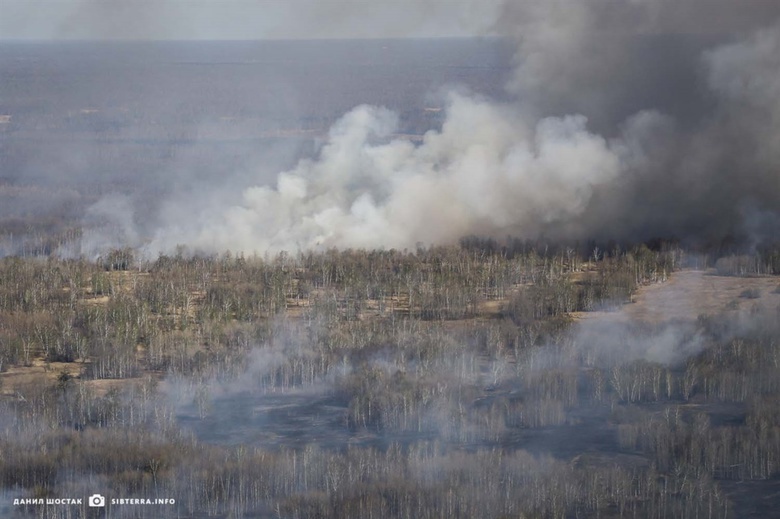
(243, 19)
(296, 19)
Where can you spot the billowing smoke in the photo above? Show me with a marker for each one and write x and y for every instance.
(628, 120)
(486, 170)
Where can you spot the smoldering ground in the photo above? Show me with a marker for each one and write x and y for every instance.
(488, 385)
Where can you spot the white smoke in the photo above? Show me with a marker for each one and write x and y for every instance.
(487, 170)
(748, 70)
(497, 169)
(108, 224)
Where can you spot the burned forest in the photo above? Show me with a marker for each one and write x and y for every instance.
(450, 380)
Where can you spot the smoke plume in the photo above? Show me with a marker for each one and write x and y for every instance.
(623, 119)
(486, 169)
(640, 170)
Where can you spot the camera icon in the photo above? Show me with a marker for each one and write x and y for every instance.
(96, 501)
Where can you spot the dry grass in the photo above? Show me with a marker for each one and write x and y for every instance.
(101, 387)
(691, 293)
(96, 300)
(18, 377)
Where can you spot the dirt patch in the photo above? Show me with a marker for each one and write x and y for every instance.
(690, 293)
(101, 387)
(97, 300)
(40, 372)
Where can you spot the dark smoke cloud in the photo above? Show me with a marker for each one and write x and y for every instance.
(689, 86)
(710, 177)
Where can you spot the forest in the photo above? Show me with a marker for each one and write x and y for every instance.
(457, 381)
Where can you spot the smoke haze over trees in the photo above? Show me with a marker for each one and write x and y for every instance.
(383, 383)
